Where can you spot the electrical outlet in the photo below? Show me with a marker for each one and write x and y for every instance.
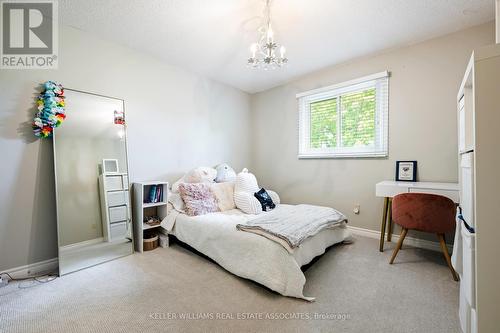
(356, 209)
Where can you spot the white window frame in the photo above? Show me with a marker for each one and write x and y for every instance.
(379, 81)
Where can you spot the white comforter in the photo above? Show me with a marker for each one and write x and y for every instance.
(249, 255)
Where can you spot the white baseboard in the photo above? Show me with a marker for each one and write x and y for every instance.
(411, 241)
(37, 268)
(81, 244)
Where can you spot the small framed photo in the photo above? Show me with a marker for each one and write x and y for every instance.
(109, 166)
(406, 171)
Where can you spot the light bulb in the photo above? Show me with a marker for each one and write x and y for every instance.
(282, 51)
(270, 34)
(253, 49)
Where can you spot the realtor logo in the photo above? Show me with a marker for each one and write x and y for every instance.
(29, 34)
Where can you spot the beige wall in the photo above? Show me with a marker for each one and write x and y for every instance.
(176, 121)
(497, 20)
(422, 126)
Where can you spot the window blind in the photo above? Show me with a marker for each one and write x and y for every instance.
(345, 120)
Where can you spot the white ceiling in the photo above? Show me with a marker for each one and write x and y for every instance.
(212, 37)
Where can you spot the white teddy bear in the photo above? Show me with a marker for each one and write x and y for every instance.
(244, 189)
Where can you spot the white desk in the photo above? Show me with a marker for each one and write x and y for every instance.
(388, 189)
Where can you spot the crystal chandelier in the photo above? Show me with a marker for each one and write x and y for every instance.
(264, 51)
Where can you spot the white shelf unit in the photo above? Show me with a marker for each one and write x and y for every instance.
(476, 254)
(115, 206)
(144, 208)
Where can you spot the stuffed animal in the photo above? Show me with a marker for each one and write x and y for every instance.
(245, 188)
(224, 173)
(198, 175)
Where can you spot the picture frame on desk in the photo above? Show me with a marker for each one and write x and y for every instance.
(406, 171)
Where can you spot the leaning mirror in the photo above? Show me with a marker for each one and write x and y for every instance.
(92, 187)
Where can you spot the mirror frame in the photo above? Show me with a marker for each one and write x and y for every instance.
(58, 222)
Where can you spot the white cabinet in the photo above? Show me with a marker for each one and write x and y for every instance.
(464, 246)
(464, 311)
(466, 118)
(461, 125)
(478, 115)
(115, 206)
(468, 266)
(473, 320)
(467, 187)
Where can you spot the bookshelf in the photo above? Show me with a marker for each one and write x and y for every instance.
(144, 207)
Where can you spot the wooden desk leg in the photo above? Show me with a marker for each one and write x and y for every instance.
(389, 221)
(382, 228)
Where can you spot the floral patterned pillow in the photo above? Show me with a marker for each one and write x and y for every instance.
(198, 199)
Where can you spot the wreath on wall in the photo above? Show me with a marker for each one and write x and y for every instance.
(50, 110)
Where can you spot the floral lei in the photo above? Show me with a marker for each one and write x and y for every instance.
(50, 113)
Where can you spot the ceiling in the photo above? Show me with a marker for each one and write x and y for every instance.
(212, 37)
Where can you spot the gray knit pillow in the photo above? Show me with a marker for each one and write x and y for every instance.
(198, 199)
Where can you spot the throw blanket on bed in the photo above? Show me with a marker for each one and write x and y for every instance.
(291, 225)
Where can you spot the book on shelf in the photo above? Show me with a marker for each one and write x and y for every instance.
(159, 189)
(155, 194)
(152, 191)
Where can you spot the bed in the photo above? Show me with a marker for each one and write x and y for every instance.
(249, 255)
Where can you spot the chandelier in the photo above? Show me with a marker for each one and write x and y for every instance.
(264, 51)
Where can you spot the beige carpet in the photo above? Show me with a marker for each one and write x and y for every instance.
(150, 292)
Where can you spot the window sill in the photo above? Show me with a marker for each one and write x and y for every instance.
(343, 156)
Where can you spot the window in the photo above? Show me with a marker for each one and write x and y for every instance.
(345, 120)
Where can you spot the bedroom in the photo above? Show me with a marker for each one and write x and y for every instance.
(177, 74)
